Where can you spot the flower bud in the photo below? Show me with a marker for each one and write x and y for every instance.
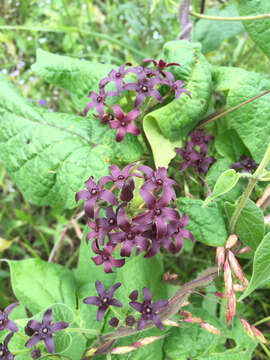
(231, 304)
(228, 279)
(114, 322)
(219, 294)
(195, 320)
(220, 257)
(167, 276)
(184, 313)
(210, 328)
(231, 241)
(236, 267)
(227, 315)
(170, 323)
(122, 350)
(245, 249)
(130, 320)
(146, 341)
(247, 328)
(237, 287)
(134, 295)
(258, 334)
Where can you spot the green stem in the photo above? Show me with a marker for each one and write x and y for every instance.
(69, 29)
(262, 321)
(216, 115)
(228, 18)
(248, 191)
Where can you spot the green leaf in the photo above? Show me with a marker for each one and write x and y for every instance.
(229, 145)
(212, 176)
(261, 267)
(76, 76)
(211, 33)
(226, 181)
(251, 121)
(38, 284)
(258, 30)
(192, 341)
(225, 76)
(206, 224)
(178, 117)
(250, 224)
(50, 155)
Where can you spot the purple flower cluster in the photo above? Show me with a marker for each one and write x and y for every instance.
(147, 81)
(246, 164)
(194, 153)
(6, 324)
(157, 225)
(148, 309)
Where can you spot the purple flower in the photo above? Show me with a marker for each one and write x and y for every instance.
(5, 354)
(189, 155)
(126, 194)
(161, 65)
(157, 180)
(114, 322)
(246, 164)
(104, 299)
(124, 122)
(130, 235)
(178, 89)
(5, 323)
(202, 164)
(98, 101)
(116, 76)
(157, 211)
(93, 193)
(200, 139)
(120, 176)
(41, 102)
(130, 321)
(148, 310)
(144, 87)
(155, 241)
(44, 331)
(133, 295)
(177, 231)
(105, 257)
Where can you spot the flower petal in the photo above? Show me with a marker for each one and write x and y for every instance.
(137, 306)
(141, 323)
(112, 289)
(100, 313)
(157, 305)
(10, 325)
(47, 317)
(100, 289)
(59, 325)
(49, 344)
(118, 112)
(148, 198)
(10, 307)
(32, 341)
(156, 320)
(146, 295)
(132, 129)
(115, 302)
(120, 134)
(92, 300)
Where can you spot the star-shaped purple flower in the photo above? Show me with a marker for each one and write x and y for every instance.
(43, 331)
(130, 236)
(246, 164)
(104, 299)
(177, 232)
(189, 155)
(116, 76)
(200, 139)
(120, 176)
(105, 257)
(148, 310)
(97, 102)
(161, 65)
(124, 122)
(5, 323)
(203, 163)
(5, 354)
(93, 193)
(144, 87)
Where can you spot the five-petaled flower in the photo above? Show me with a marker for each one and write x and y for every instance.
(148, 310)
(104, 299)
(161, 65)
(105, 257)
(123, 123)
(246, 164)
(44, 331)
(5, 323)
(116, 76)
(5, 354)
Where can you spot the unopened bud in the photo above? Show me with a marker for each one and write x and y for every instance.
(231, 241)
(219, 294)
(91, 352)
(231, 304)
(184, 313)
(227, 315)
(228, 279)
(210, 328)
(170, 323)
(195, 320)
(247, 328)
(236, 267)
(220, 257)
(245, 249)
(146, 341)
(122, 349)
(237, 287)
(258, 334)
(167, 276)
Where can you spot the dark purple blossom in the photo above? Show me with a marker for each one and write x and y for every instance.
(144, 87)
(161, 65)
(203, 163)
(98, 101)
(189, 155)
(134, 295)
(130, 321)
(116, 76)
(246, 164)
(126, 194)
(5, 354)
(178, 89)
(43, 331)
(157, 211)
(124, 122)
(130, 236)
(148, 310)
(114, 322)
(200, 139)
(177, 232)
(93, 193)
(105, 257)
(35, 354)
(5, 323)
(120, 176)
(104, 299)
(157, 180)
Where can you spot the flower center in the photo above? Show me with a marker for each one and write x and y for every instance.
(45, 330)
(99, 99)
(111, 221)
(197, 139)
(186, 157)
(118, 75)
(96, 229)
(105, 258)
(1, 322)
(144, 88)
(111, 117)
(105, 300)
(148, 310)
(2, 352)
(120, 177)
(159, 181)
(94, 191)
(130, 236)
(157, 211)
